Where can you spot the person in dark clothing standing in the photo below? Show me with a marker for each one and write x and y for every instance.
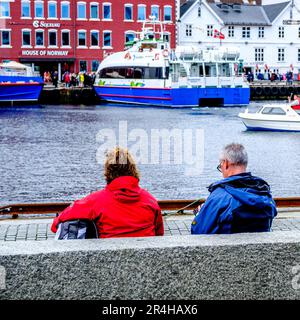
(240, 202)
(55, 78)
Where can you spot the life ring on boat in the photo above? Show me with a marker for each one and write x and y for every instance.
(156, 57)
(258, 91)
(165, 53)
(127, 56)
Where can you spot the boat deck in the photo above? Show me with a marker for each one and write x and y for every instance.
(38, 229)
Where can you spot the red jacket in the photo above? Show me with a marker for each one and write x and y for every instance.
(122, 209)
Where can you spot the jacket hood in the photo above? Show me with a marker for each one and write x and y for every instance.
(247, 189)
(125, 189)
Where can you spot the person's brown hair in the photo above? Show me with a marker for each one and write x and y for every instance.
(119, 162)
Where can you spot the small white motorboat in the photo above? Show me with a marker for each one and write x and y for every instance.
(273, 117)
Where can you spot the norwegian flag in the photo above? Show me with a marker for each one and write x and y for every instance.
(218, 34)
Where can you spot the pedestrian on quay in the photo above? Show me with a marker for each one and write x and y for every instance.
(55, 78)
(122, 208)
(240, 202)
(67, 79)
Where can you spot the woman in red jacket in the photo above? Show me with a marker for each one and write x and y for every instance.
(122, 208)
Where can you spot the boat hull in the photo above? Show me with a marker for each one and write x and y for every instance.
(174, 97)
(271, 125)
(20, 89)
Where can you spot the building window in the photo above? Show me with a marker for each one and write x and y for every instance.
(107, 11)
(128, 12)
(25, 9)
(259, 55)
(5, 38)
(65, 10)
(82, 66)
(52, 10)
(65, 38)
(107, 38)
(4, 9)
(129, 36)
(167, 13)
(94, 11)
(39, 37)
(82, 38)
(246, 32)
(281, 32)
(39, 9)
(280, 54)
(141, 12)
(188, 30)
(199, 11)
(26, 38)
(81, 10)
(261, 32)
(209, 30)
(95, 65)
(155, 12)
(166, 37)
(230, 31)
(298, 54)
(95, 38)
(52, 38)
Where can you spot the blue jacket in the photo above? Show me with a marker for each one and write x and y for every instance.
(240, 203)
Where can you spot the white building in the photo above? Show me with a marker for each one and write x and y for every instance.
(268, 35)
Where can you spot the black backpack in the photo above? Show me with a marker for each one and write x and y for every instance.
(77, 229)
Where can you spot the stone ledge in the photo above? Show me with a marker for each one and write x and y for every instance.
(240, 266)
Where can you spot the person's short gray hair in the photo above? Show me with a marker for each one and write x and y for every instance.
(235, 153)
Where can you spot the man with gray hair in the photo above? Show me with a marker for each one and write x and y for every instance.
(238, 203)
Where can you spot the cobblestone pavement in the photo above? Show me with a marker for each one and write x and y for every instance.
(39, 229)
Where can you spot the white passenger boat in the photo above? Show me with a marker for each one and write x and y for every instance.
(272, 117)
(150, 73)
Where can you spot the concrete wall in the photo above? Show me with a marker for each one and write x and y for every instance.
(244, 266)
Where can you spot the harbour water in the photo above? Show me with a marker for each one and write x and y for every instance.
(49, 153)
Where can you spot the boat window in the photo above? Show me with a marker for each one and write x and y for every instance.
(210, 70)
(273, 111)
(224, 69)
(133, 73)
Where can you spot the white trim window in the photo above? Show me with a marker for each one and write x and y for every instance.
(141, 13)
(246, 32)
(5, 9)
(281, 32)
(259, 54)
(128, 12)
(129, 36)
(281, 55)
(94, 11)
(65, 38)
(5, 38)
(95, 39)
(230, 31)
(52, 38)
(81, 36)
(52, 10)
(65, 10)
(168, 13)
(25, 9)
(107, 39)
(94, 65)
(298, 54)
(209, 30)
(155, 11)
(167, 36)
(81, 10)
(106, 11)
(261, 32)
(26, 38)
(39, 38)
(188, 30)
(38, 10)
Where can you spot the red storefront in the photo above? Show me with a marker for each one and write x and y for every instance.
(74, 35)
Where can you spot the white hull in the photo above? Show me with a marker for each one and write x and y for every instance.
(255, 124)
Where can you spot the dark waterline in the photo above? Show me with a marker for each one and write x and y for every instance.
(49, 153)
